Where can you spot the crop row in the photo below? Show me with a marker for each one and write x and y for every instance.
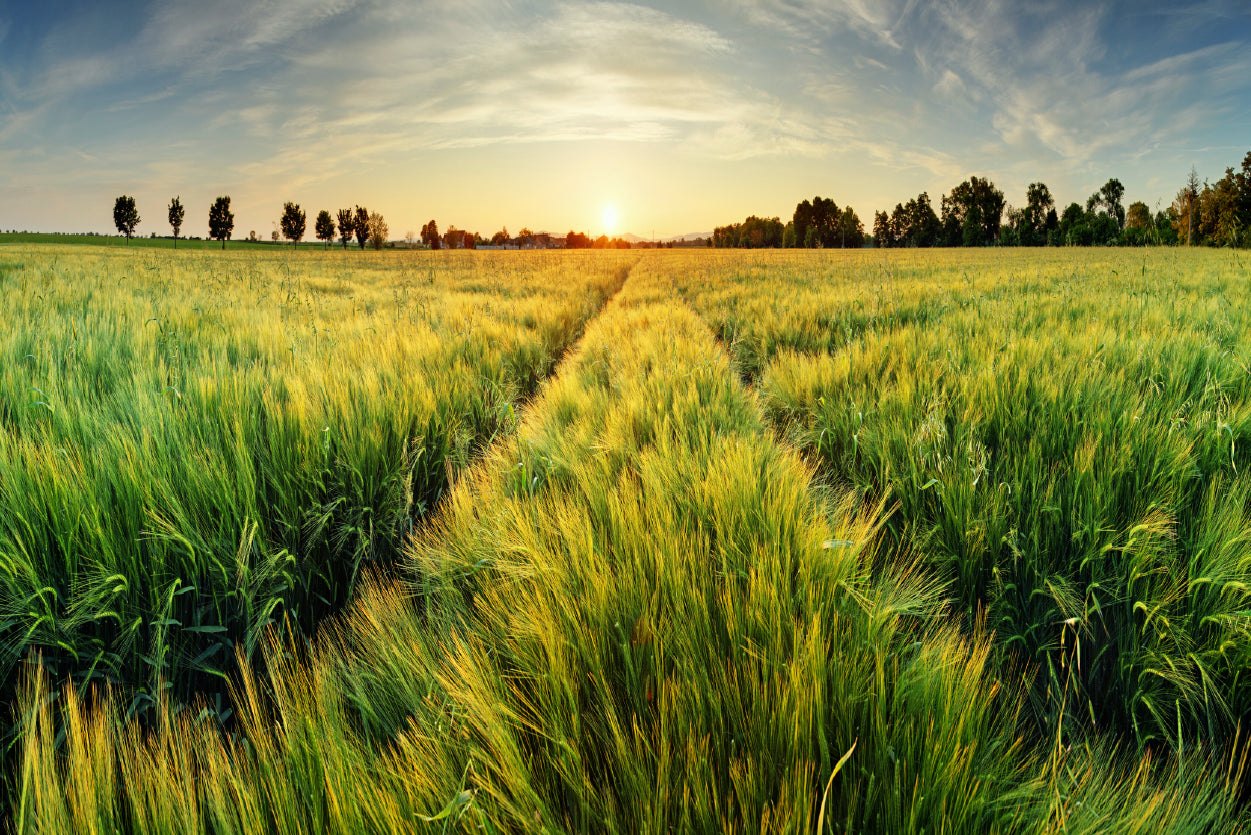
(193, 449)
(639, 613)
(1065, 440)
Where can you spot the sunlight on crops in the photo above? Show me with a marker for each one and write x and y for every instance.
(1066, 438)
(877, 542)
(196, 445)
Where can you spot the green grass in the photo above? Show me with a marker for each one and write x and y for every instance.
(1065, 438)
(655, 601)
(195, 445)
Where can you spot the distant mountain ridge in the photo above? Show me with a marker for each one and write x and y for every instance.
(689, 236)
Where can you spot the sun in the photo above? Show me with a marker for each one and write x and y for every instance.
(610, 219)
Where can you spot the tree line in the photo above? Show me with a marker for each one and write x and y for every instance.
(359, 224)
(816, 224)
(455, 238)
(976, 213)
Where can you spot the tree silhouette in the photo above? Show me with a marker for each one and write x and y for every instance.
(973, 230)
(176, 214)
(361, 225)
(324, 227)
(347, 226)
(221, 220)
(377, 230)
(1037, 215)
(850, 230)
(973, 193)
(817, 223)
(1111, 196)
(430, 235)
(293, 223)
(125, 216)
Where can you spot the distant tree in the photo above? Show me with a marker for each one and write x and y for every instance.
(360, 225)
(347, 225)
(604, 242)
(377, 230)
(1218, 211)
(959, 204)
(850, 230)
(176, 215)
(1112, 194)
(1034, 221)
(928, 227)
(1105, 216)
(1072, 226)
(409, 237)
(324, 227)
(821, 218)
(1010, 231)
(974, 233)
(752, 233)
(221, 220)
(1139, 226)
(1185, 206)
(293, 223)
(1104, 230)
(1139, 216)
(1165, 231)
(125, 215)
(882, 236)
(430, 235)
(910, 224)
(452, 238)
(577, 240)
(1242, 180)
(500, 238)
(525, 237)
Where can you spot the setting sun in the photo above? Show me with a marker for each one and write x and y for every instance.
(610, 220)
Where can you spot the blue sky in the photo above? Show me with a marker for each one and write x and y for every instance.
(682, 116)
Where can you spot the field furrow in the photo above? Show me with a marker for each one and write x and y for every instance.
(642, 612)
(1068, 448)
(196, 446)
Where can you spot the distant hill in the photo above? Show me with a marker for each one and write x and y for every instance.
(689, 236)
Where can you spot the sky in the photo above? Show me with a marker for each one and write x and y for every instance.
(673, 117)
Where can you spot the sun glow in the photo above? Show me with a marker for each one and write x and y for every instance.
(610, 220)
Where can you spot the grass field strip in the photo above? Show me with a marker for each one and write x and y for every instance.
(640, 613)
(194, 446)
(1068, 446)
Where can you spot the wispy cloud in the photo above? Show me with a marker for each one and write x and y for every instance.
(603, 71)
(1009, 82)
(285, 95)
(809, 20)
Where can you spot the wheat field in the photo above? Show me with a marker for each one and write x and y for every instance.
(627, 541)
